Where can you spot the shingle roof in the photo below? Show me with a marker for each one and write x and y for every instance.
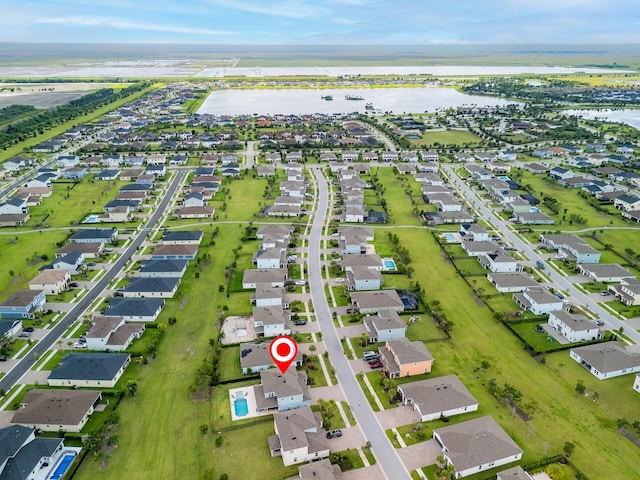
(55, 407)
(438, 394)
(89, 366)
(608, 357)
(133, 307)
(158, 285)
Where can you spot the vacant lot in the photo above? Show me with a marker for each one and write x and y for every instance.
(462, 138)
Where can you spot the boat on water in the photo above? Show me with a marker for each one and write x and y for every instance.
(369, 106)
(326, 97)
(353, 97)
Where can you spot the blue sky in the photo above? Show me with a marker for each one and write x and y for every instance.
(321, 21)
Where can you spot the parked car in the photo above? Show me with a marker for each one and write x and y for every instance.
(560, 296)
(334, 433)
(300, 282)
(539, 328)
(375, 364)
(3, 358)
(28, 329)
(91, 264)
(118, 294)
(599, 323)
(352, 310)
(605, 293)
(369, 356)
(73, 284)
(79, 345)
(300, 322)
(24, 334)
(340, 280)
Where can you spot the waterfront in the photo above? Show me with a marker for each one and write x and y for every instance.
(629, 116)
(301, 101)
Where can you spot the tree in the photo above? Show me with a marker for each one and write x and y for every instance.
(569, 448)
(595, 396)
(132, 388)
(580, 388)
(204, 428)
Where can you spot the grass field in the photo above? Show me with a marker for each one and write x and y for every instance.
(399, 205)
(448, 137)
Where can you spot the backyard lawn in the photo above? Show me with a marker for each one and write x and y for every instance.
(448, 137)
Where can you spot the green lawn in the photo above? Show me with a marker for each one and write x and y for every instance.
(314, 371)
(229, 363)
(423, 328)
(448, 137)
(399, 205)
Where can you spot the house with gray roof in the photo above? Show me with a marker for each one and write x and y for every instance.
(539, 301)
(514, 473)
(511, 282)
(71, 262)
(282, 391)
(271, 321)
(386, 325)
(162, 287)
(95, 235)
(575, 328)
(267, 296)
(403, 358)
(607, 360)
(270, 258)
(56, 410)
(499, 262)
(23, 456)
(438, 397)
(102, 370)
(271, 277)
(163, 268)
(571, 247)
(299, 436)
(135, 309)
(255, 357)
(183, 251)
(605, 272)
(112, 334)
(475, 445)
(534, 218)
(363, 278)
(478, 248)
(351, 261)
(627, 291)
(319, 470)
(372, 302)
(276, 232)
(23, 304)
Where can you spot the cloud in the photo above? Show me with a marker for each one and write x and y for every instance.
(286, 9)
(117, 23)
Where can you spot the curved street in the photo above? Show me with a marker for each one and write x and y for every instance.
(385, 453)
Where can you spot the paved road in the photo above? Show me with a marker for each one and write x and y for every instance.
(385, 453)
(379, 135)
(557, 278)
(16, 373)
(251, 155)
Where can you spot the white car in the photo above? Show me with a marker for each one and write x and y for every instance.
(79, 345)
(339, 280)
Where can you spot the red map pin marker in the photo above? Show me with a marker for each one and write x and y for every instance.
(283, 351)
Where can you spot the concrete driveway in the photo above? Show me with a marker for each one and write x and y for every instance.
(420, 455)
(333, 392)
(351, 438)
(396, 417)
(367, 473)
(351, 331)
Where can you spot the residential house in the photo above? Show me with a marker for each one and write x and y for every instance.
(282, 391)
(575, 328)
(628, 291)
(605, 272)
(102, 370)
(266, 296)
(95, 235)
(440, 397)
(476, 445)
(474, 233)
(534, 218)
(163, 287)
(511, 282)
(319, 470)
(481, 248)
(72, 262)
(255, 357)
(351, 261)
(270, 258)
(23, 304)
(10, 328)
(499, 262)
(51, 281)
(163, 268)
(386, 325)
(372, 302)
(271, 321)
(56, 410)
(299, 436)
(402, 358)
(135, 309)
(607, 360)
(272, 277)
(539, 301)
(26, 457)
(181, 237)
(364, 278)
(571, 247)
(14, 206)
(175, 252)
(112, 334)
(88, 250)
(627, 202)
(193, 200)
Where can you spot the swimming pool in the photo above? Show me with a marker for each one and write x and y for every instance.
(62, 466)
(450, 237)
(240, 406)
(389, 264)
(93, 218)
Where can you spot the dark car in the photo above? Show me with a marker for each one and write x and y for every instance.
(539, 328)
(334, 433)
(375, 364)
(300, 322)
(3, 358)
(28, 329)
(73, 284)
(352, 310)
(91, 264)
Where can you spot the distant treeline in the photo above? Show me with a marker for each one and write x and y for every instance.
(64, 80)
(10, 113)
(45, 119)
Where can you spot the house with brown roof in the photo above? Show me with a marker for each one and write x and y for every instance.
(51, 281)
(299, 436)
(319, 470)
(195, 212)
(351, 261)
(88, 250)
(403, 358)
(476, 445)
(175, 252)
(438, 397)
(112, 334)
(56, 410)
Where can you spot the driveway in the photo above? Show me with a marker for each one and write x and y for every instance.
(420, 455)
(351, 331)
(368, 473)
(396, 417)
(333, 392)
(351, 438)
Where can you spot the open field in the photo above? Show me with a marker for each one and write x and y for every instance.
(448, 137)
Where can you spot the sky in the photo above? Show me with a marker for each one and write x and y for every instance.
(297, 22)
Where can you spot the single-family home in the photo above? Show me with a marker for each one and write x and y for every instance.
(605, 272)
(136, 309)
(175, 252)
(74, 173)
(351, 261)
(511, 282)
(474, 232)
(627, 202)
(51, 281)
(56, 410)
(386, 325)
(607, 360)
(372, 302)
(282, 391)
(403, 358)
(163, 287)
(364, 278)
(627, 291)
(571, 247)
(539, 301)
(255, 357)
(193, 199)
(23, 304)
(476, 445)
(534, 218)
(271, 321)
(266, 296)
(14, 206)
(72, 262)
(102, 370)
(270, 258)
(575, 328)
(440, 397)
(25, 457)
(481, 248)
(112, 334)
(10, 328)
(272, 277)
(95, 235)
(181, 237)
(499, 262)
(299, 436)
(163, 268)
(319, 470)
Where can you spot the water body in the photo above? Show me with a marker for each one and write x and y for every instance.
(624, 115)
(438, 70)
(301, 101)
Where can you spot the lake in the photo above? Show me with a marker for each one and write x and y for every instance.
(629, 116)
(300, 101)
